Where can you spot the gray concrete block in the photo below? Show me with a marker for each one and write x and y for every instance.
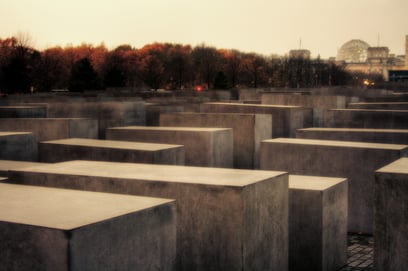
(52, 128)
(248, 130)
(23, 111)
(107, 114)
(58, 229)
(285, 119)
(153, 112)
(366, 118)
(6, 165)
(391, 213)
(110, 150)
(388, 136)
(209, 147)
(355, 161)
(317, 223)
(227, 219)
(379, 105)
(19, 146)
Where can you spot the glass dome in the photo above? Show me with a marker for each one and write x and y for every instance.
(353, 51)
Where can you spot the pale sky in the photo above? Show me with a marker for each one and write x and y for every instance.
(262, 26)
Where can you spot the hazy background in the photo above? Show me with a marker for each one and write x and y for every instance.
(261, 26)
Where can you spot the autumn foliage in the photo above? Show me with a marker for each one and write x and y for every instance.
(154, 66)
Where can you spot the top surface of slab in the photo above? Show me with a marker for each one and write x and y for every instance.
(356, 130)
(126, 145)
(370, 110)
(11, 164)
(313, 182)
(400, 166)
(14, 133)
(22, 107)
(165, 173)
(44, 119)
(260, 105)
(170, 128)
(66, 209)
(335, 143)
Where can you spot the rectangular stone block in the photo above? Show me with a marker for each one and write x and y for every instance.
(355, 161)
(366, 118)
(23, 111)
(318, 103)
(110, 150)
(19, 146)
(227, 219)
(153, 112)
(285, 119)
(391, 209)
(317, 223)
(379, 105)
(208, 147)
(52, 128)
(6, 165)
(58, 229)
(107, 114)
(388, 136)
(248, 130)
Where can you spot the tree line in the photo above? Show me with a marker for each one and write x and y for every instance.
(154, 66)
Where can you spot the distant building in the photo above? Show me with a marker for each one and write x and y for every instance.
(300, 53)
(359, 56)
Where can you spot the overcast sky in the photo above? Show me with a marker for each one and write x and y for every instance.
(261, 26)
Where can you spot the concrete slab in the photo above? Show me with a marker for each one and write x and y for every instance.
(248, 130)
(18, 146)
(388, 136)
(153, 112)
(110, 150)
(23, 111)
(318, 103)
(6, 165)
(218, 209)
(379, 105)
(391, 209)
(57, 229)
(366, 118)
(52, 128)
(107, 114)
(208, 147)
(285, 119)
(317, 223)
(355, 161)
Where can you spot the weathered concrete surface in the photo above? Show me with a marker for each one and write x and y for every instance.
(318, 103)
(110, 150)
(227, 219)
(248, 130)
(52, 128)
(378, 105)
(6, 165)
(366, 118)
(388, 136)
(23, 111)
(19, 146)
(285, 119)
(153, 112)
(209, 147)
(391, 213)
(57, 229)
(108, 114)
(355, 161)
(317, 223)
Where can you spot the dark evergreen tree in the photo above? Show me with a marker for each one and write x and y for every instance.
(83, 77)
(220, 81)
